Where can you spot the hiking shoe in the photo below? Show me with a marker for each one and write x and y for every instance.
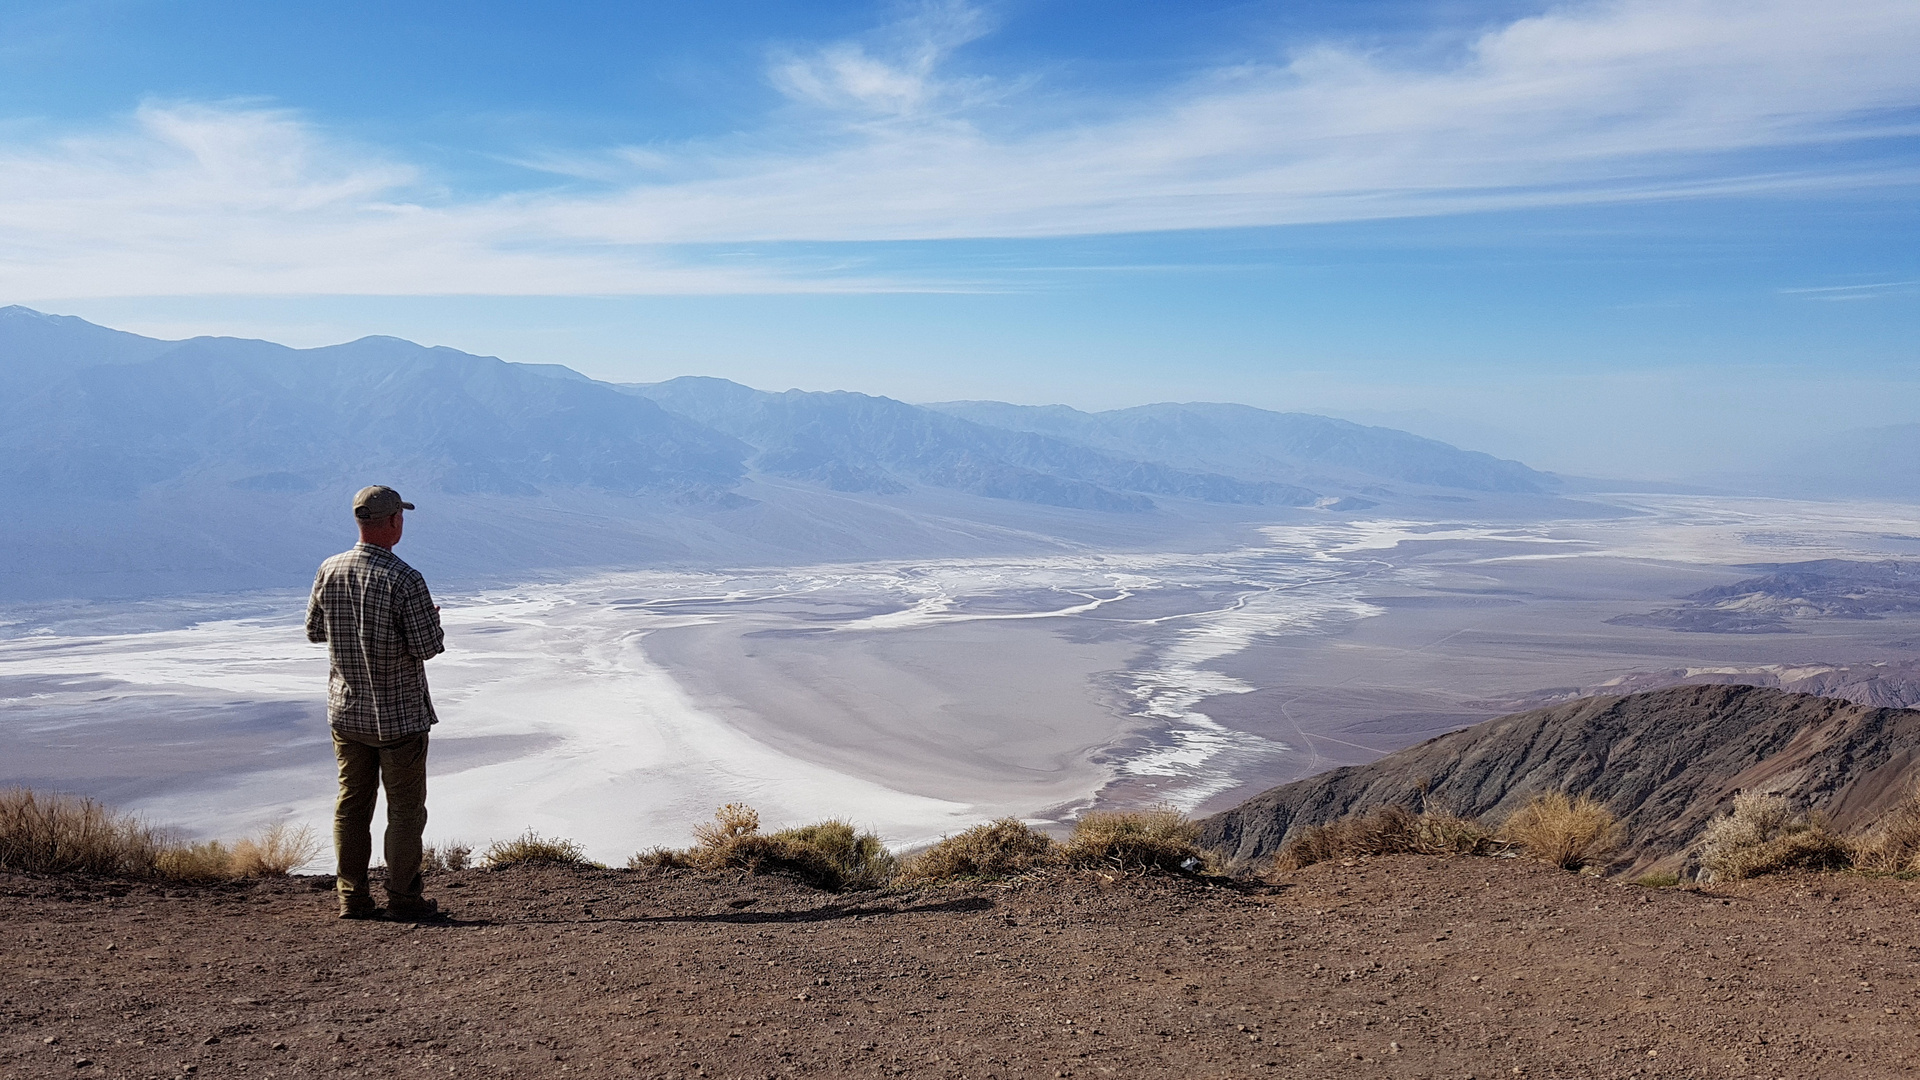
(363, 910)
(421, 910)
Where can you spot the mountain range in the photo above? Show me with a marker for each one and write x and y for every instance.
(135, 448)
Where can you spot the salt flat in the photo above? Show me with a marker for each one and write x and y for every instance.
(914, 697)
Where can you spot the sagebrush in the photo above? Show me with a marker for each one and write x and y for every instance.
(998, 849)
(1893, 844)
(1765, 835)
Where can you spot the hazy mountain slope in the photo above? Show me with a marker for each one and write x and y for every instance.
(260, 414)
(857, 442)
(1666, 762)
(38, 349)
(1793, 592)
(220, 463)
(1242, 441)
(1881, 684)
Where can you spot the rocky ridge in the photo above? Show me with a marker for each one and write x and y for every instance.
(1666, 762)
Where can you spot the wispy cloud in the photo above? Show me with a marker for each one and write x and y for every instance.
(897, 76)
(882, 140)
(1870, 291)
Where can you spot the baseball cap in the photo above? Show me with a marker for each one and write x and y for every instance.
(377, 502)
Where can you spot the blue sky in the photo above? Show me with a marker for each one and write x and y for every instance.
(1631, 237)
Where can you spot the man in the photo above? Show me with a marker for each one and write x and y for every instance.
(380, 626)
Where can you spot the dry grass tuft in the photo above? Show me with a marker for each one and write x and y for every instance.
(276, 852)
(1387, 830)
(1893, 845)
(662, 858)
(446, 858)
(832, 855)
(531, 847)
(1157, 839)
(1571, 833)
(1763, 835)
(50, 834)
(1002, 849)
(208, 860)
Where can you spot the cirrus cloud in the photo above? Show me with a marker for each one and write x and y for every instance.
(1621, 100)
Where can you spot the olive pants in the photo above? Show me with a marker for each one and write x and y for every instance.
(400, 765)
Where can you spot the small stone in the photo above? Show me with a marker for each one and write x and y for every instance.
(279, 1046)
(81, 1063)
(210, 1040)
(1394, 1047)
(51, 1040)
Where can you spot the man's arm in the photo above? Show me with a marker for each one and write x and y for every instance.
(316, 618)
(419, 620)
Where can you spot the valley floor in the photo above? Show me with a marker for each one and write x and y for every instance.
(1402, 966)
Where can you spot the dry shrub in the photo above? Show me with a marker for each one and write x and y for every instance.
(858, 860)
(1893, 844)
(1811, 848)
(275, 852)
(1763, 835)
(445, 858)
(1570, 833)
(729, 823)
(50, 834)
(1001, 849)
(531, 847)
(1160, 838)
(207, 860)
(662, 858)
(65, 834)
(1387, 830)
(831, 855)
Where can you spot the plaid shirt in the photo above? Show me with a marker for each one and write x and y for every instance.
(378, 621)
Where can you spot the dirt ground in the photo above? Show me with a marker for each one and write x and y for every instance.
(1395, 967)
